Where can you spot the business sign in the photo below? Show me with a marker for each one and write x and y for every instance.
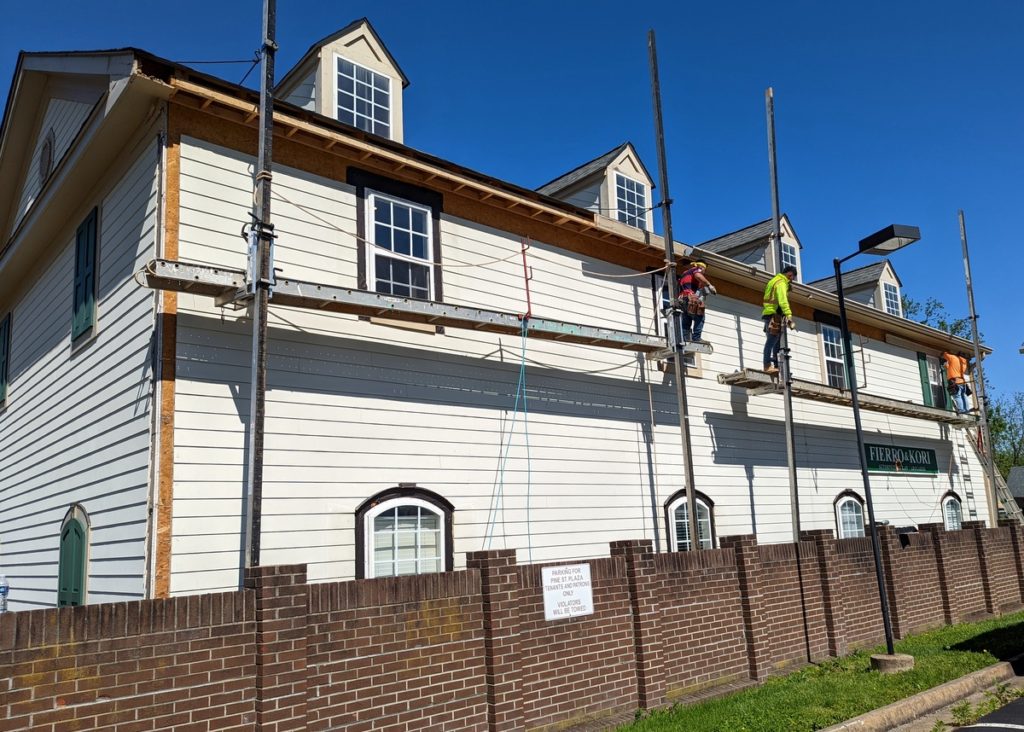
(567, 591)
(897, 459)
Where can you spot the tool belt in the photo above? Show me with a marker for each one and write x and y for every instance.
(692, 302)
(774, 324)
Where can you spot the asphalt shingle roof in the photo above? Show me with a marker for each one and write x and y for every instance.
(564, 181)
(854, 278)
(747, 235)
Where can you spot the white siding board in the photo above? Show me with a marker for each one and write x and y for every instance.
(76, 427)
(354, 407)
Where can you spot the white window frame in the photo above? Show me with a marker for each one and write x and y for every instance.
(844, 501)
(373, 251)
(826, 359)
(890, 289)
(355, 114)
(946, 501)
(641, 214)
(936, 381)
(370, 565)
(789, 256)
(708, 540)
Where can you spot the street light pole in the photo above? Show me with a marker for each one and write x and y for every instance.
(886, 241)
(851, 375)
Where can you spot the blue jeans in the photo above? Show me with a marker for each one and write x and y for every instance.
(693, 326)
(771, 344)
(959, 395)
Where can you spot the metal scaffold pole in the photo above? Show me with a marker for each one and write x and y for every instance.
(787, 373)
(979, 383)
(261, 273)
(673, 291)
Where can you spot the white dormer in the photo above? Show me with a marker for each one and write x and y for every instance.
(876, 285)
(755, 244)
(615, 185)
(350, 76)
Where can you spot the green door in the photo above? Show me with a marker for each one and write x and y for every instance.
(71, 571)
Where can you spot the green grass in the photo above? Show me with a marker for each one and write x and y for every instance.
(818, 696)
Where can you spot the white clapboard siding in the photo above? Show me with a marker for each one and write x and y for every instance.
(65, 118)
(76, 428)
(356, 407)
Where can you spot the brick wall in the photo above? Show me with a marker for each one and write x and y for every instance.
(792, 604)
(701, 618)
(586, 663)
(854, 568)
(181, 663)
(404, 651)
(913, 566)
(471, 650)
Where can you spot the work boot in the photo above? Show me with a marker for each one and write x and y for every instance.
(771, 370)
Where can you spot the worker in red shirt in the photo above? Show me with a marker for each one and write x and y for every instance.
(694, 286)
(958, 369)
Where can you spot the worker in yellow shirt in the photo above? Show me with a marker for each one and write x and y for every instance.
(776, 315)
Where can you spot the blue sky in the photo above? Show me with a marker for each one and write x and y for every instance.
(891, 111)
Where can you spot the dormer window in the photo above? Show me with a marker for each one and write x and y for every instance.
(363, 98)
(788, 255)
(631, 201)
(892, 299)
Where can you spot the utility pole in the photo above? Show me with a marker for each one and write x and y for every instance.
(673, 291)
(787, 372)
(261, 275)
(979, 383)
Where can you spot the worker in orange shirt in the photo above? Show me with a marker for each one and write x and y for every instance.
(957, 371)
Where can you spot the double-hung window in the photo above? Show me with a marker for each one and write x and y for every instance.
(83, 316)
(788, 255)
(952, 513)
(892, 299)
(631, 201)
(835, 366)
(404, 530)
(399, 257)
(364, 98)
(850, 516)
(679, 518)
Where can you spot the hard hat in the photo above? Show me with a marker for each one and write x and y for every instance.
(699, 264)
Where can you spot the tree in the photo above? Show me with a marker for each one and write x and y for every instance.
(1006, 425)
(934, 313)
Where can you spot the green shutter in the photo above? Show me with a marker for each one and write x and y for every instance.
(5, 354)
(926, 387)
(71, 570)
(84, 315)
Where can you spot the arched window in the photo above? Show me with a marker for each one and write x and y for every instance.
(952, 512)
(73, 556)
(404, 530)
(678, 515)
(849, 515)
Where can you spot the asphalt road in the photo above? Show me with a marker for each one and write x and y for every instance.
(1010, 717)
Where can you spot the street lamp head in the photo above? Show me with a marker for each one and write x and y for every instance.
(889, 239)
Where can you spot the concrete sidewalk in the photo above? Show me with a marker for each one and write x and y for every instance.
(920, 712)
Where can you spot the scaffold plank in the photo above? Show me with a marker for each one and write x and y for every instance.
(221, 283)
(758, 382)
